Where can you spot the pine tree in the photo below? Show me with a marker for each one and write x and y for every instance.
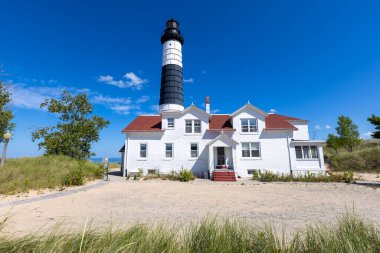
(375, 120)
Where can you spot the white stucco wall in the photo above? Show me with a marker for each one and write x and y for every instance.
(303, 131)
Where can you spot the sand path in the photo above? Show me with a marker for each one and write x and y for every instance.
(122, 203)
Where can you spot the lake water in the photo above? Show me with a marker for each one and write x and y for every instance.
(110, 159)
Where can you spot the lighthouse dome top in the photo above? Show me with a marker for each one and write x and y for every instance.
(172, 32)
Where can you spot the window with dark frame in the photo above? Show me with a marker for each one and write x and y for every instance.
(249, 125)
(251, 149)
(194, 150)
(143, 150)
(170, 122)
(189, 126)
(169, 150)
(193, 126)
(306, 152)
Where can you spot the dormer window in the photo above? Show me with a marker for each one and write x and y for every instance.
(193, 126)
(170, 122)
(249, 125)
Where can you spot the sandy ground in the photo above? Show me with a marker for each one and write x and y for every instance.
(124, 203)
(374, 177)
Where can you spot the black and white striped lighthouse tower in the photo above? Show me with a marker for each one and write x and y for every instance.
(171, 93)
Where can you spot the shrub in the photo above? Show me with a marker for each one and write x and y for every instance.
(185, 175)
(73, 178)
(268, 176)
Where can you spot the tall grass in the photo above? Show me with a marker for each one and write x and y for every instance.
(350, 234)
(24, 174)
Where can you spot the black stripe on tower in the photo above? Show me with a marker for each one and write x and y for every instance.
(171, 85)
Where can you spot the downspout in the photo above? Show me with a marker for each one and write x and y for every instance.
(290, 158)
(125, 157)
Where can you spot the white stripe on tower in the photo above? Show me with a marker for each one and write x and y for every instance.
(172, 53)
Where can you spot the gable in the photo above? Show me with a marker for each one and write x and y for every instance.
(250, 109)
(222, 140)
(195, 113)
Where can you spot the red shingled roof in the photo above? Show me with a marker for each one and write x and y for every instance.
(220, 122)
(149, 123)
(280, 122)
(217, 122)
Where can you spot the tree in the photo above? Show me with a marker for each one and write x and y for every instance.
(375, 120)
(75, 130)
(6, 115)
(333, 142)
(348, 133)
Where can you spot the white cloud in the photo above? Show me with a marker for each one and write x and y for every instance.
(119, 105)
(318, 127)
(367, 135)
(124, 109)
(105, 100)
(131, 81)
(272, 110)
(215, 111)
(203, 71)
(32, 97)
(189, 80)
(142, 99)
(327, 126)
(109, 80)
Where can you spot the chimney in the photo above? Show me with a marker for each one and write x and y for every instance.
(208, 104)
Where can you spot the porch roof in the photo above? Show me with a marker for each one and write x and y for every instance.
(225, 139)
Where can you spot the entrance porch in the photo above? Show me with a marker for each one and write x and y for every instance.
(222, 157)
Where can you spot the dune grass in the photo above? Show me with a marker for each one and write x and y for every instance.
(365, 158)
(34, 173)
(350, 234)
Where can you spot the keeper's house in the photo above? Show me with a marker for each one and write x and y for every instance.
(221, 146)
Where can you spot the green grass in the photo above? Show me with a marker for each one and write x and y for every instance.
(365, 158)
(24, 174)
(349, 234)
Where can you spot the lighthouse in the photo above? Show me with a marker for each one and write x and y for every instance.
(171, 92)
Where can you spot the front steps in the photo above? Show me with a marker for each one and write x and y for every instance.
(225, 176)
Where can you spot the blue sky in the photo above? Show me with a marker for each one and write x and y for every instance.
(309, 59)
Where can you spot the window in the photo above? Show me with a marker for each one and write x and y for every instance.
(170, 123)
(251, 172)
(314, 152)
(299, 152)
(194, 150)
(169, 150)
(249, 125)
(193, 126)
(143, 150)
(197, 126)
(306, 152)
(250, 149)
(189, 126)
